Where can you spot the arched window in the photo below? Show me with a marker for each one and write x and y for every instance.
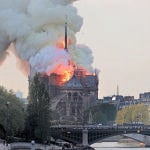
(75, 96)
(69, 95)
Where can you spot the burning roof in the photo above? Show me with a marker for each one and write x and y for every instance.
(37, 30)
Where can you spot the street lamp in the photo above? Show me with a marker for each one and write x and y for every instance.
(32, 145)
(7, 118)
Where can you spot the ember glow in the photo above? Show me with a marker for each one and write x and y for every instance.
(64, 73)
(63, 78)
(67, 75)
(59, 80)
(83, 72)
(61, 43)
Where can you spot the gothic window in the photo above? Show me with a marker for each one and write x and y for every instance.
(75, 96)
(73, 110)
(69, 96)
(80, 100)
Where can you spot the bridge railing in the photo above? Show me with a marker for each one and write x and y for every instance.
(103, 126)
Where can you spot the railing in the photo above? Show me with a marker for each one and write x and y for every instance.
(74, 133)
(134, 126)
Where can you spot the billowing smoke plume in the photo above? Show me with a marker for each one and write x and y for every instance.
(49, 62)
(36, 27)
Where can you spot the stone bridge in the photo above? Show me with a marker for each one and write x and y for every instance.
(87, 135)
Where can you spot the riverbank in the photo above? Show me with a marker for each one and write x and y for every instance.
(119, 141)
(29, 146)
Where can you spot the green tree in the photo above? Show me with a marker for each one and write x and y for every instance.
(101, 113)
(12, 115)
(133, 113)
(148, 121)
(38, 110)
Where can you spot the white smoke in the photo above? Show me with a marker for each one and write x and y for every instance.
(35, 25)
(47, 63)
(82, 55)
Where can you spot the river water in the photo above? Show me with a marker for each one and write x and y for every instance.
(118, 146)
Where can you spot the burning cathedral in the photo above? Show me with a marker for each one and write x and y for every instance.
(36, 29)
(72, 91)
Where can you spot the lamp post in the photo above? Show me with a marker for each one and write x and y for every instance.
(7, 118)
(32, 145)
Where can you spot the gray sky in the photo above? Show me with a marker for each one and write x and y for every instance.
(118, 32)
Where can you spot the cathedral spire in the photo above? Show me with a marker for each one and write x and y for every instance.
(66, 38)
(117, 90)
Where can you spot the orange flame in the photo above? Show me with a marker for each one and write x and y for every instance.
(61, 43)
(62, 74)
(82, 72)
(66, 75)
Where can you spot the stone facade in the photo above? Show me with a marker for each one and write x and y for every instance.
(71, 99)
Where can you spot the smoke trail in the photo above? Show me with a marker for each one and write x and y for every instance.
(39, 25)
(23, 65)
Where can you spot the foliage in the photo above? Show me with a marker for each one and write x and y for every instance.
(133, 113)
(148, 122)
(12, 115)
(101, 113)
(38, 121)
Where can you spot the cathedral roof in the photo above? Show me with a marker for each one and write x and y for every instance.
(73, 83)
(89, 81)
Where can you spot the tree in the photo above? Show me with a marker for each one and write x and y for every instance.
(12, 115)
(38, 121)
(101, 113)
(133, 113)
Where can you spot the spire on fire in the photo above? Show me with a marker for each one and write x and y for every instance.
(66, 47)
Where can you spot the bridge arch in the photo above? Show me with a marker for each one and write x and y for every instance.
(94, 133)
(101, 134)
(140, 138)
